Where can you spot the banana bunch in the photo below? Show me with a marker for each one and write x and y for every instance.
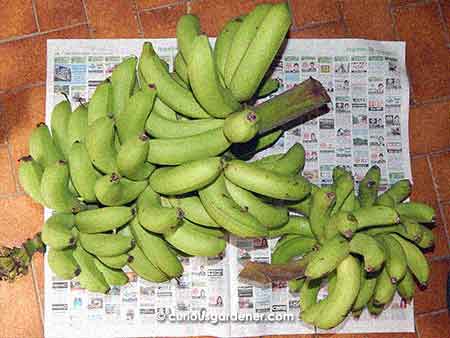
(365, 246)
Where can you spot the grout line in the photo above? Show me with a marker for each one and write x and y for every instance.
(37, 293)
(440, 258)
(36, 19)
(138, 18)
(433, 179)
(435, 312)
(340, 9)
(189, 7)
(32, 35)
(85, 8)
(313, 25)
(439, 99)
(16, 90)
(13, 167)
(431, 153)
(175, 3)
(444, 22)
(417, 3)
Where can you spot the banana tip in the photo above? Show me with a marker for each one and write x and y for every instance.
(26, 158)
(77, 272)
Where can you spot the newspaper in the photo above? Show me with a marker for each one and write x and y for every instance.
(367, 125)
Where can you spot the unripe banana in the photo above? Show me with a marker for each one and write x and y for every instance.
(132, 159)
(42, 146)
(171, 93)
(294, 247)
(420, 212)
(328, 257)
(204, 80)
(396, 229)
(144, 268)
(161, 127)
(413, 229)
(370, 249)
(261, 51)
(113, 190)
(59, 126)
(407, 287)
(241, 126)
(351, 203)
(90, 277)
(123, 79)
(103, 219)
(242, 40)
(77, 126)
(386, 200)
(396, 264)
(417, 262)
(267, 87)
(130, 123)
(57, 231)
(245, 151)
(184, 149)
(62, 263)
(368, 187)
(188, 28)
(179, 80)
(193, 210)
(116, 262)
(186, 177)
(297, 225)
(223, 43)
(427, 240)
(341, 222)
(180, 67)
(308, 293)
(55, 189)
(368, 283)
(156, 250)
(319, 215)
(163, 110)
(106, 244)
(295, 285)
(384, 289)
(376, 215)
(271, 216)
(290, 163)
(265, 182)
(399, 191)
(100, 145)
(190, 238)
(30, 174)
(226, 212)
(112, 276)
(343, 188)
(374, 309)
(100, 104)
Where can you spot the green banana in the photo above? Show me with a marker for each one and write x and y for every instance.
(368, 283)
(30, 175)
(368, 187)
(132, 159)
(156, 250)
(226, 212)
(42, 146)
(100, 145)
(397, 229)
(427, 240)
(319, 214)
(241, 126)
(245, 151)
(123, 79)
(188, 28)
(144, 268)
(328, 257)
(180, 67)
(82, 174)
(55, 189)
(384, 289)
(351, 203)
(171, 93)
(374, 309)
(417, 262)
(308, 293)
(386, 200)
(193, 240)
(57, 231)
(161, 127)
(163, 110)
(103, 219)
(59, 125)
(407, 287)
(242, 40)
(184, 149)
(63, 263)
(90, 277)
(130, 123)
(186, 177)
(260, 52)
(223, 43)
(295, 285)
(369, 248)
(290, 163)
(271, 216)
(413, 229)
(100, 104)
(399, 191)
(106, 245)
(341, 222)
(420, 212)
(179, 80)
(78, 125)
(343, 189)
(296, 225)
(267, 87)
(266, 182)
(193, 210)
(396, 264)
(114, 190)
(376, 215)
(112, 276)
(116, 262)
(294, 247)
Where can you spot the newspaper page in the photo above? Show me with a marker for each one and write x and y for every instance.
(367, 124)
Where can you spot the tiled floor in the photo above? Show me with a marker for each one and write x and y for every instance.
(26, 24)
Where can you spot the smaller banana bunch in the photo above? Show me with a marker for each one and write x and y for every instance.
(365, 247)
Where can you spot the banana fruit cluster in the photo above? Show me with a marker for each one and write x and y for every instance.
(364, 246)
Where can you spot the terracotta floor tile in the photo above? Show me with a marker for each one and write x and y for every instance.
(19, 308)
(436, 325)
(421, 28)
(422, 190)
(308, 12)
(446, 11)
(328, 31)
(395, 3)
(441, 171)
(112, 19)
(433, 298)
(441, 245)
(368, 19)
(17, 18)
(213, 15)
(8, 184)
(38, 265)
(243, 7)
(23, 110)
(162, 22)
(446, 210)
(429, 127)
(143, 4)
(55, 14)
(24, 61)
